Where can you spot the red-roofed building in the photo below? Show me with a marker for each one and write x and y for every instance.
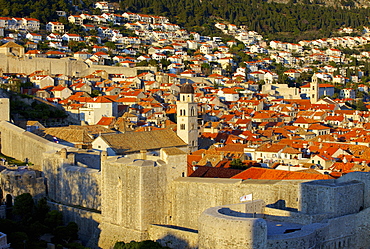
(61, 92)
(55, 27)
(98, 107)
(273, 174)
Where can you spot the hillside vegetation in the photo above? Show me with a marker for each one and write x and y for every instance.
(289, 21)
(271, 19)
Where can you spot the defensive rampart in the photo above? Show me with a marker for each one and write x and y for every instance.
(191, 196)
(86, 220)
(66, 66)
(24, 145)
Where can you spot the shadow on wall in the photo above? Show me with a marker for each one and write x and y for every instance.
(93, 239)
(88, 227)
(172, 241)
(281, 204)
(81, 188)
(88, 159)
(174, 236)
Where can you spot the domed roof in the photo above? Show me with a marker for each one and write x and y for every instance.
(187, 88)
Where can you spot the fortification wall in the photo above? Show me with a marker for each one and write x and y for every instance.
(86, 220)
(4, 109)
(340, 198)
(135, 193)
(363, 177)
(127, 71)
(22, 145)
(15, 183)
(129, 188)
(69, 184)
(223, 227)
(309, 236)
(67, 66)
(134, 187)
(174, 237)
(81, 187)
(191, 196)
(112, 233)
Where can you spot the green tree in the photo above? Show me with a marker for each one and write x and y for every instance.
(65, 234)
(142, 63)
(53, 219)
(147, 244)
(237, 164)
(360, 105)
(110, 45)
(165, 63)
(24, 206)
(95, 93)
(153, 62)
(18, 240)
(206, 69)
(41, 210)
(119, 245)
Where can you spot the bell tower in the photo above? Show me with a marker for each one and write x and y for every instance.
(314, 89)
(187, 116)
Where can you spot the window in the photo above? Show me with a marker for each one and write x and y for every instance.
(182, 126)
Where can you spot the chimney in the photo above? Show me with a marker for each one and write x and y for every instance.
(63, 153)
(143, 154)
(103, 156)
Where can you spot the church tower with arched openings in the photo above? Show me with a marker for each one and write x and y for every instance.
(187, 117)
(314, 89)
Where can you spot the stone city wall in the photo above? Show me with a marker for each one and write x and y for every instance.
(66, 66)
(191, 196)
(69, 184)
(87, 221)
(134, 187)
(81, 187)
(308, 237)
(174, 237)
(363, 177)
(23, 145)
(25, 65)
(223, 227)
(340, 198)
(16, 182)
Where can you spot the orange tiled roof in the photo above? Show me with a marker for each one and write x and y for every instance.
(273, 174)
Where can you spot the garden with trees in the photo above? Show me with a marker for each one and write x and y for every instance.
(28, 222)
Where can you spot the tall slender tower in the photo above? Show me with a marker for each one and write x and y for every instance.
(187, 115)
(314, 89)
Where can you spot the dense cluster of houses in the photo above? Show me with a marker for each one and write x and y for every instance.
(243, 113)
